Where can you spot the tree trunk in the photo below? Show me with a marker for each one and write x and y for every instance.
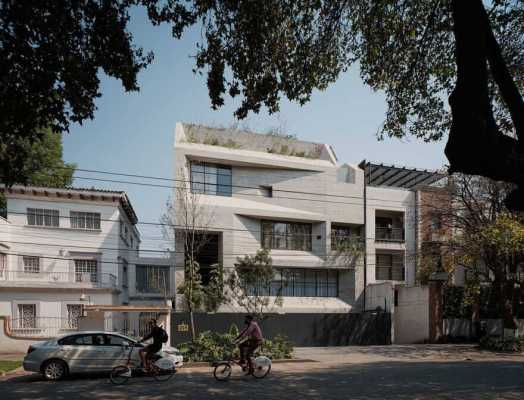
(475, 145)
(192, 325)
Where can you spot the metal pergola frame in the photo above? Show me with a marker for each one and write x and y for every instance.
(395, 176)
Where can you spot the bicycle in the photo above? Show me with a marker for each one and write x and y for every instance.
(161, 369)
(223, 369)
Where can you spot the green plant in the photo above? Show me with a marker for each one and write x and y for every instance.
(231, 144)
(211, 140)
(498, 343)
(212, 346)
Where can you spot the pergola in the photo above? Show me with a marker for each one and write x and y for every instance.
(400, 177)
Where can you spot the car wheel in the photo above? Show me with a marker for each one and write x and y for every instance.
(54, 370)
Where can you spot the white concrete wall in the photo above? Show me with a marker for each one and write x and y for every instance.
(411, 316)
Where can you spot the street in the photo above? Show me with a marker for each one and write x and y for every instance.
(381, 375)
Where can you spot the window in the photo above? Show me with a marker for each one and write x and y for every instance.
(74, 312)
(86, 271)
(211, 179)
(125, 278)
(389, 267)
(302, 282)
(31, 264)
(3, 265)
(77, 340)
(113, 340)
(436, 222)
(266, 191)
(286, 235)
(342, 235)
(152, 279)
(26, 316)
(42, 217)
(85, 220)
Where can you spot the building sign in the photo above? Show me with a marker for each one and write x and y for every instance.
(183, 327)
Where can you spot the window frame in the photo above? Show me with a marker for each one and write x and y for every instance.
(34, 214)
(274, 240)
(83, 216)
(209, 178)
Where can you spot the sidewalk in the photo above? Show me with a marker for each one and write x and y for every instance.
(402, 353)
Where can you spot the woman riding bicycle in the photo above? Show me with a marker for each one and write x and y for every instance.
(253, 333)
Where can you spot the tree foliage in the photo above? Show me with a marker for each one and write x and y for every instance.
(250, 282)
(50, 55)
(487, 240)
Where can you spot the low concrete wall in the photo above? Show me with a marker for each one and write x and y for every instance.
(302, 329)
(460, 328)
(411, 315)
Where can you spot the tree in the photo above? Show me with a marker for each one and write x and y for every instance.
(249, 284)
(186, 223)
(50, 56)
(487, 241)
(417, 52)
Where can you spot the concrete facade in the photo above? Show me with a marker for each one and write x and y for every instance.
(291, 181)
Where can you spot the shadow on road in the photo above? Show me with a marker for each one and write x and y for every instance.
(372, 381)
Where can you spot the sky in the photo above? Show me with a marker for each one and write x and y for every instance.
(134, 132)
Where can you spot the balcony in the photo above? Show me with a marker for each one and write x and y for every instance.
(41, 327)
(21, 278)
(389, 273)
(385, 234)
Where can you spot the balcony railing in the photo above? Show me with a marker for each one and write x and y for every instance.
(42, 327)
(389, 273)
(389, 234)
(80, 279)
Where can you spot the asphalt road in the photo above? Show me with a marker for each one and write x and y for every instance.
(378, 380)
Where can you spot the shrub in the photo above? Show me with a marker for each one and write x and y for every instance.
(498, 343)
(212, 346)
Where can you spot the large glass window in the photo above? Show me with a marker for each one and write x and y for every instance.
(42, 217)
(286, 235)
(3, 265)
(152, 279)
(211, 179)
(302, 282)
(85, 220)
(389, 266)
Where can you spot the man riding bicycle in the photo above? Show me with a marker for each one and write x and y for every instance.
(253, 333)
(158, 335)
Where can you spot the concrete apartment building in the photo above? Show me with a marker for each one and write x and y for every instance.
(297, 200)
(64, 249)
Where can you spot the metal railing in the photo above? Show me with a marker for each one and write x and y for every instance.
(80, 279)
(389, 234)
(389, 273)
(42, 327)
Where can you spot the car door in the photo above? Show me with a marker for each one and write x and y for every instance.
(116, 352)
(80, 353)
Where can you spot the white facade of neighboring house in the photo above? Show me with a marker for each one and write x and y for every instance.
(61, 249)
(257, 186)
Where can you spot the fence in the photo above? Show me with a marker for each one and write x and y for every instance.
(42, 327)
(389, 234)
(81, 279)
(369, 328)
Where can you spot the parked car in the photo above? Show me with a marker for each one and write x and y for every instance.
(86, 352)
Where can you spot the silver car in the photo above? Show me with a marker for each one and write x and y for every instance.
(82, 352)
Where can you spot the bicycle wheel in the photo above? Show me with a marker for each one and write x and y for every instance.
(261, 372)
(222, 371)
(120, 374)
(163, 375)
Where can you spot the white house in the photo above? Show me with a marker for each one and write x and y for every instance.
(62, 249)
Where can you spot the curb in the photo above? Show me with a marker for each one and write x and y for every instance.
(279, 361)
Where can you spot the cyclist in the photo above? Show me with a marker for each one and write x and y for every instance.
(253, 333)
(158, 334)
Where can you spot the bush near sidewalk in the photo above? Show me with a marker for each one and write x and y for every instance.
(212, 346)
(498, 343)
(7, 365)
